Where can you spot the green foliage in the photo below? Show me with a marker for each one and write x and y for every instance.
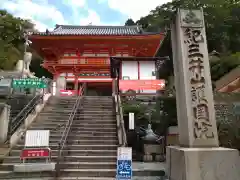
(139, 111)
(228, 118)
(130, 22)
(162, 114)
(8, 55)
(11, 39)
(224, 65)
(222, 20)
(35, 66)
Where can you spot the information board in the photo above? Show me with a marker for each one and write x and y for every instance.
(124, 163)
(29, 83)
(35, 153)
(37, 138)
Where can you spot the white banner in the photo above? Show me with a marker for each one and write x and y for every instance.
(37, 138)
(124, 153)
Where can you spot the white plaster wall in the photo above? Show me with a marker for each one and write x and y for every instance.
(61, 84)
(146, 69)
(130, 69)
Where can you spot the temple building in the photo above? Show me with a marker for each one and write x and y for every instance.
(230, 82)
(85, 54)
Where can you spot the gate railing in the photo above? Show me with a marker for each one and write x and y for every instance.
(62, 142)
(18, 120)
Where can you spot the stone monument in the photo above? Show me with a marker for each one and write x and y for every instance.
(199, 156)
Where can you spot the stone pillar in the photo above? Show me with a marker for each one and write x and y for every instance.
(4, 121)
(199, 156)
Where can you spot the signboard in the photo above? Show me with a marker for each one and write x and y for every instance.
(35, 153)
(37, 138)
(124, 163)
(131, 121)
(29, 83)
(5, 82)
(141, 84)
(64, 92)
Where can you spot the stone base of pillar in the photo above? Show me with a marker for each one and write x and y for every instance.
(202, 163)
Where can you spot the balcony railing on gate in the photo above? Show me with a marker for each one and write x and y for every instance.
(85, 61)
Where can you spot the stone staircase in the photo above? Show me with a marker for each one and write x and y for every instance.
(91, 148)
(92, 142)
(53, 117)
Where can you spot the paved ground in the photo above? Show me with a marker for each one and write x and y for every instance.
(148, 178)
(145, 166)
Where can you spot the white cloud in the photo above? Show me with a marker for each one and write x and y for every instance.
(92, 18)
(135, 8)
(38, 12)
(79, 3)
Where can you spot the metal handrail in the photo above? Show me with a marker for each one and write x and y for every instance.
(17, 121)
(82, 89)
(65, 133)
(122, 137)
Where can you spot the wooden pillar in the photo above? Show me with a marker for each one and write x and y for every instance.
(76, 84)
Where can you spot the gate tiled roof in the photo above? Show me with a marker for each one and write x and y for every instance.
(62, 30)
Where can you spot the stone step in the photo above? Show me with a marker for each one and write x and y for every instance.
(96, 106)
(69, 158)
(85, 133)
(90, 111)
(75, 125)
(97, 102)
(69, 178)
(77, 119)
(76, 152)
(82, 141)
(9, 175)
(83, 136)
(80, 129)
(60, 103)
(89, 172)
(59, 110)
(49, 114)
(88, 165)
(91, 142)
(76, 122)
(102, 147)
(71, 165)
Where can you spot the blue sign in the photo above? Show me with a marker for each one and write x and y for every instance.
(124, 169)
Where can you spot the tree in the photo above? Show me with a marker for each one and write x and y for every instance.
(222, 20)
(11, 39)
(130, 22)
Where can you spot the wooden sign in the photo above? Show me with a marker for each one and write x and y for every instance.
(35, 153)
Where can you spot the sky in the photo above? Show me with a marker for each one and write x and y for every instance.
(45, 14)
